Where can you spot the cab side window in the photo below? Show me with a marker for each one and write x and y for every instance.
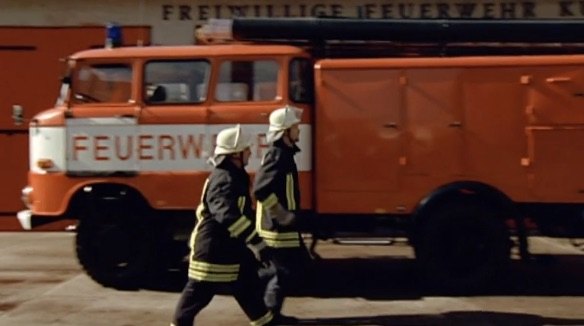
(176, 82)
(301, 80)
(254, 80)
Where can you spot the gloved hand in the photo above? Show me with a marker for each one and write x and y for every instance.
(266, 255)
(281, 216)
(262, 252)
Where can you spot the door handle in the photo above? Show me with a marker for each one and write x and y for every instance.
(558, 79)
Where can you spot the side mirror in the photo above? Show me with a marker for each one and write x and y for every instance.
(64, 90)
(18, 114)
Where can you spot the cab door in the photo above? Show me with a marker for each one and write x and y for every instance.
(175, 142)
(246, 90)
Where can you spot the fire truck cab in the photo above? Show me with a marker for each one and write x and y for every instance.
(447, 142)
(132, 133)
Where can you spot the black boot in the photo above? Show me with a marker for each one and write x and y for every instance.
(280, 319)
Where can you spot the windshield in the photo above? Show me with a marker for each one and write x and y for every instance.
(102, 83)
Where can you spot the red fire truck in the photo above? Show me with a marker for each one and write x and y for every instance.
(452, 133)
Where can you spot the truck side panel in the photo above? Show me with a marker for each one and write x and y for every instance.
(358, 143)
(557, 158)
(555, 132)
(494, 102)
(393, 130)
(433, 122)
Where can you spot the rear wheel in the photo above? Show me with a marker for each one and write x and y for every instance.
(114, 241)
(463, 247)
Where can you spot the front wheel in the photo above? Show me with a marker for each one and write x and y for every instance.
(113, 243)
(463, 247)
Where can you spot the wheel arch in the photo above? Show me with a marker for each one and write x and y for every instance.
(80, 195)
(462, 191)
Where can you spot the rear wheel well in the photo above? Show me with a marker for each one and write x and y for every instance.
(463, 192)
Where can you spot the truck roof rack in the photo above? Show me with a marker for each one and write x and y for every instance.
(347, 37)
(410, 30)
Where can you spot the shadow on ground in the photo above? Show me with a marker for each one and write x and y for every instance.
(457, 318)
(389, 278)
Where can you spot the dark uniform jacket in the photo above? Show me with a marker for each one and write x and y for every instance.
(225, 225)
(277, 181)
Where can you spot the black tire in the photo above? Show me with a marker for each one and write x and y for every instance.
(463, 247)
(113, 242)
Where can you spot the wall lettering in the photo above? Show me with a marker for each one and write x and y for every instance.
(519, 9)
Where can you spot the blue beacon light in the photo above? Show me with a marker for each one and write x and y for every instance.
(113, 36)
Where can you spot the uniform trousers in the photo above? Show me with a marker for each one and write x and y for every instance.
(198, 294)
(288, 270)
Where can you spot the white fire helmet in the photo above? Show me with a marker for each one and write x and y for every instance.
(281, 120)
(232, 140)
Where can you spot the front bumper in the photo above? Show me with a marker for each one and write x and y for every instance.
(29, 221)
(25, 219)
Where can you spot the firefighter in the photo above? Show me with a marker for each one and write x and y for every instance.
(224, 240)
(276, 189)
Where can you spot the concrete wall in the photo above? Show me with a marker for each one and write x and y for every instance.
(174, 21)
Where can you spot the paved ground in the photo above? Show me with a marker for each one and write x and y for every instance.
(42, 284)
